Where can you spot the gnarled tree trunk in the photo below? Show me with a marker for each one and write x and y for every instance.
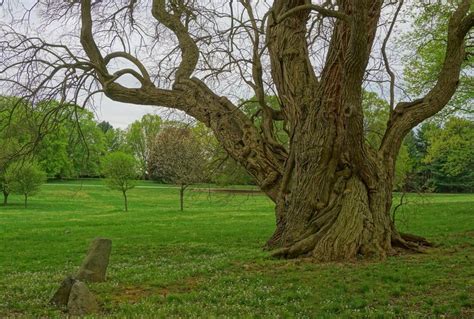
(336, 199)
(330, 212)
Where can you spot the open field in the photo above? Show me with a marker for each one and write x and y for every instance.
(207, 261)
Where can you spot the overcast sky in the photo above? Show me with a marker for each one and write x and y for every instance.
(116, 113)
(121, 114)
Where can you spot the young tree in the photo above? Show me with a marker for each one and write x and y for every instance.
(16, 132)
(25, 178)
(9, 147)
(177, 157)
(332, 190)
(120, 170)
(4, 188)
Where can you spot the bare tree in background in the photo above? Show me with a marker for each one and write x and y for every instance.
(177, 157)
(332, 191)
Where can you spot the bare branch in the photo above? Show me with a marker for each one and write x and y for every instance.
(385, 57)
(313, 7)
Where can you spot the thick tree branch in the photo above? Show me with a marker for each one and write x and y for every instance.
(189, 49)
(231, 126)
(292, 72)
(88, 43)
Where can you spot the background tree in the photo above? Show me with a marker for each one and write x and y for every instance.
(177, 157)
(16, 135)
(120, 170)
(450, 156)
(332, 191)
(9, 148)
(140, 135)
(25, 178)
(222, 169)
(74, 147)
(87, 146)
(115, 140)
(105, 126)
(52, 152)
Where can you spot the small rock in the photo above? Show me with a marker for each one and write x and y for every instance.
(95, 264)
(81, 300)
(61, 296)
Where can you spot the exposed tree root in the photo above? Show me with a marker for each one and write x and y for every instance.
(401, 242)
(300, 249)
(410, 243)
(416, 239)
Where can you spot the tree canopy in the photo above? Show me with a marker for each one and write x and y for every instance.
(24, 178)
(120, 170)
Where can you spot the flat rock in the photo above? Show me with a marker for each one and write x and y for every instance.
(81, 300)
(61, 296)
(95, 264)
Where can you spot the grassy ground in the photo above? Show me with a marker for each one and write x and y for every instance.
(208, 262)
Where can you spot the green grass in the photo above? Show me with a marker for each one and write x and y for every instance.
(207, 261)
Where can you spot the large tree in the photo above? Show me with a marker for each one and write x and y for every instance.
(331, 189)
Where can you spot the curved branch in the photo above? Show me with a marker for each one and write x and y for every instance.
(131, 58)
(88, 43)
(131, 72)
(313, 7)
(189, 49)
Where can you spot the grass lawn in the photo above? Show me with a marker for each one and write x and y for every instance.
(207, 261)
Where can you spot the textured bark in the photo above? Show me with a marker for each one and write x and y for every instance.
(336, 204)
(332, 191)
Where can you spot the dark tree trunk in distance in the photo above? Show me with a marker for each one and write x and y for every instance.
(125, 200)
(181, 196)
(5, 198)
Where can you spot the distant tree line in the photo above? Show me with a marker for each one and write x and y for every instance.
(436, 157)
(60, 143)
